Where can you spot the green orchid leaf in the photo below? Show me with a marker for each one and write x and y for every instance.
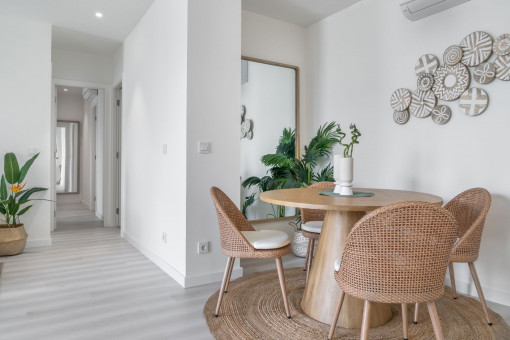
(29, 193)
(11, 168)
(25, 167)
(24, 210)
(3, 188)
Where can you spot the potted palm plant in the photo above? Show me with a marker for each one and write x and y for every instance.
(286, 171)
(14, 202)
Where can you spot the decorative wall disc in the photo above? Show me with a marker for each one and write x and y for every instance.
(401, 117)
(477, 48)
(452, 55)
(451, 81)
(425, 81)
(400, 99)
(502, 44)
(485, 73)
(422, 103)
(441, 114)
(503, 67)
(474, 101)
(427, 63)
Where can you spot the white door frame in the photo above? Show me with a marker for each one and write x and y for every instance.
(118, 152)
(108, 154)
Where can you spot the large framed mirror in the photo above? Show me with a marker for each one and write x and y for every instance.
(67, 157)
(269, 126)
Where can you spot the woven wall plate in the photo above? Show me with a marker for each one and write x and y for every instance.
(441, 114)
(400, 99)
(401, 117)
(425, 81)
(422, 103)
(502, 64)
(427, 63)
(474, 101)
(477, 48)
(485, 73)
(451, 81)
(502, 44)
(452, 55)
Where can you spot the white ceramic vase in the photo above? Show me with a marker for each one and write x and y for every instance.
(343, 174)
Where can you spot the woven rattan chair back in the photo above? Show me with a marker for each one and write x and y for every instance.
(469, 209)
(308, 215)
(398, 254)
(231, 222)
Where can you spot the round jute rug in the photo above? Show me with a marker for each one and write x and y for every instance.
(253, 309)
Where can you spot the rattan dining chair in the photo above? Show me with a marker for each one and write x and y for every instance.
(311, 225)
(240, 240)
(469, 209)
(397, 254)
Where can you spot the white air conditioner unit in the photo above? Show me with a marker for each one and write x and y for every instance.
(419, 9)
(89, 93)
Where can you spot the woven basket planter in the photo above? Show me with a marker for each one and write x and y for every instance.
(12, 240)
(299, 244)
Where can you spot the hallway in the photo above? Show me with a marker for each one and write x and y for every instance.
(92, 284)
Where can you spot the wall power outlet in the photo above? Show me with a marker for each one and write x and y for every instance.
(203, 247)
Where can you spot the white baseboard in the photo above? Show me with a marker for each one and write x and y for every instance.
(200, 280)
(468, 288)
(158, 261)
(184, 281)
(45, 242)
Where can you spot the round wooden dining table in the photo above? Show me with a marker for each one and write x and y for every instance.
(322, 291)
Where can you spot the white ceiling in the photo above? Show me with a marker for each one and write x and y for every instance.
(300, 12)
(71, 91)
(77, 26)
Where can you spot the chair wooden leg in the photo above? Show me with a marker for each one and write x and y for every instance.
(366, 320)
(452, 279)
(307, 254)
(230, 273)
(310, 247)
(416, 310)
(435, 320)
(479, 290)
(404, 319)
(223, 284)
(337, 314)
(281, 276)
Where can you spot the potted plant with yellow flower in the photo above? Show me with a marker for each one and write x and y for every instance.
(14, 202)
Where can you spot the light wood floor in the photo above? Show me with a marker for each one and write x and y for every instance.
(91, 284)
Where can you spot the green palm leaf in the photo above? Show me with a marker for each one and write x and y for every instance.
(11, 168)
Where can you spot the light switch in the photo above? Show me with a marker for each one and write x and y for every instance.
(203, 147)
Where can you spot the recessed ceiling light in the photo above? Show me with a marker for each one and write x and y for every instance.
(65, 90)
(99, 14)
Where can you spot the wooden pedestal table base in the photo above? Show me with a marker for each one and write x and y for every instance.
(322, 291)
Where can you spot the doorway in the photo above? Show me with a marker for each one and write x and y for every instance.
(78, 151)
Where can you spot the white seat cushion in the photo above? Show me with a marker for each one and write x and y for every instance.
(267, 239)
(337, 263)
(312, 227)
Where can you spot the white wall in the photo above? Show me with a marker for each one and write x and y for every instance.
(71, 65)
(87, 148)
(274, 40)
(154, 113)
(214, 73)
(269, 97)
(359, 56)
(118, 61)
(25, 85)
(70, 106)
(100, 147)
